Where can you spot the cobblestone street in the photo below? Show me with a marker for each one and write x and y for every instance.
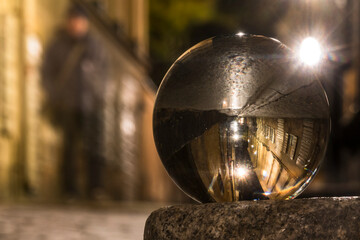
(28, 222)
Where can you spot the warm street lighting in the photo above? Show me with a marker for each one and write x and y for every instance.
(310, 51)
(241, 172)
(236, 137)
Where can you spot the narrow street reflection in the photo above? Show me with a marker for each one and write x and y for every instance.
(257, 158)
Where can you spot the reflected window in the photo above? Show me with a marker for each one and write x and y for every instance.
(286, 143)
(289, 146)
(292, 146)
(266, 131)
(272, 135)
(305, 144)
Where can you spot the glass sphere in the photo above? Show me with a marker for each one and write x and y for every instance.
(239, 118)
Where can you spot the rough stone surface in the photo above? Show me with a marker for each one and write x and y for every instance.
(316, 218)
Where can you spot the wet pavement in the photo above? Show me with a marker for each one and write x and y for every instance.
(53, 222)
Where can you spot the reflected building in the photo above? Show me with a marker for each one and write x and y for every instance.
(255, 158)
(284, 150)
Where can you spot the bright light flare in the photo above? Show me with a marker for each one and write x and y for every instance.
(310, 51)
(240, 34)
(236, 137)
(241, 172)
(234, 126)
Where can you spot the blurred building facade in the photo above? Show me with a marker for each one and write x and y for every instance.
(30, 146)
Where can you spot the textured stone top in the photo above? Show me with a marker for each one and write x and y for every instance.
(316, 218)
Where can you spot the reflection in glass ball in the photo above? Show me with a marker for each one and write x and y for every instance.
(238, 118)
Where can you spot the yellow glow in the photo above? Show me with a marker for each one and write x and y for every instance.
(310, 51)
(128, 126)
(241, 172)
(236, 137)
(34, 48)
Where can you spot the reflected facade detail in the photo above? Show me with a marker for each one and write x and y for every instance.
(236, 119)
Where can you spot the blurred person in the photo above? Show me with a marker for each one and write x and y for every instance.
(74, 74)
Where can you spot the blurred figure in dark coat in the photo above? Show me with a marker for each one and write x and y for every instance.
(74, 77)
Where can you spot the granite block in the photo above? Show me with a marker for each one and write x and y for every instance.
(315, 218)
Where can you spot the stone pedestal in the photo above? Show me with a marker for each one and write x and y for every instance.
(316, 218)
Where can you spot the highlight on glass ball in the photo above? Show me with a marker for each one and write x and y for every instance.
(241, 118)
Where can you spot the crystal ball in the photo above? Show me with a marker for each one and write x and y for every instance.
(239, 118)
